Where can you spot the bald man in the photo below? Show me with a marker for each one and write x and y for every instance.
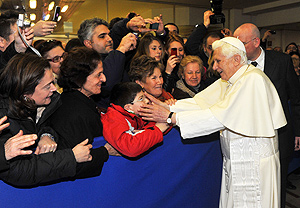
(279, 68)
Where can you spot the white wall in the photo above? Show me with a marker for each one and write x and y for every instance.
(264, 16)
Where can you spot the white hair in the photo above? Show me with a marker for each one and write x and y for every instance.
(229, 51)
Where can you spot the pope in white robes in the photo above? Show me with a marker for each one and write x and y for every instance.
(244, 106)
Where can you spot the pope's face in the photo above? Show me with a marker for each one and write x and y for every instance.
(223, 65)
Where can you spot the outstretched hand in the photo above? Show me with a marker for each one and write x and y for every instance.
(28, 35)
(206, 18)
(2, 120)
(15, 145)
(128, 43)
(43, 28)
(156, 111)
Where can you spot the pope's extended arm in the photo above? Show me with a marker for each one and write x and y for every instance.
(192, 120)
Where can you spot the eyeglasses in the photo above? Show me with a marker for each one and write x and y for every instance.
(56, 59)
(245, 43)
(139, 100)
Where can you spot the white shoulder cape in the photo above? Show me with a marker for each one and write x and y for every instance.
(249, 106)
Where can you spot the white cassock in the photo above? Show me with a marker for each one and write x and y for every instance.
(247, 111)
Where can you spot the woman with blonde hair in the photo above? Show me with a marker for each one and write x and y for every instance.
(190, 72)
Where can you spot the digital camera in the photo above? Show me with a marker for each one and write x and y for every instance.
(216, 8)
(23, 21)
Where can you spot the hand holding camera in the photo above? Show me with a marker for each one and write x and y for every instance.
(173, 60)
(206, 18)
(159, 26)
(23, 21)
(267, 34)
(136, 23)
(28, 35)
(139, 24)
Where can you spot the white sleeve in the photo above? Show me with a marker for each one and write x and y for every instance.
(188, 104)
(197, 123)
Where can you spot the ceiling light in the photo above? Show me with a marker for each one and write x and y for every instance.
(32, 17)
(64, 8)
(51, 6)
(59, 18)
(32, 24)
(32, 4)
(47, 17)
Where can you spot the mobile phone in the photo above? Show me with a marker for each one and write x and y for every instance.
(273, 32)
(154, 26)
(56, 13)
(173, 51)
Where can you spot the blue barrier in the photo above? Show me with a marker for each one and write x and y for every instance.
(175, 174)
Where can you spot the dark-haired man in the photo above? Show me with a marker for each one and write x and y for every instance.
(94, 33)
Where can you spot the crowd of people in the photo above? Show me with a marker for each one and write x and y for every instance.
(131, 84)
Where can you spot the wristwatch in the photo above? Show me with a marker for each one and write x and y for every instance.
(169, 119)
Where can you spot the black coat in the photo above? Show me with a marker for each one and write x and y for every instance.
(35, 169)
(194, 42)
(76, 120)
(5, 56)
(114, 71)
(279, 68)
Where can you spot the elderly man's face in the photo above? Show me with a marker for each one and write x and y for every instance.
(225, 66)
(101, 41)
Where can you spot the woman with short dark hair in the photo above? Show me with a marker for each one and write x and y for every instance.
(146, 71)
(53, 51)
(78, 117)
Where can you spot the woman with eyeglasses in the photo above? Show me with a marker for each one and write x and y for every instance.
(53, 51)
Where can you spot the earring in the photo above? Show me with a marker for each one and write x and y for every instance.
(25, 98)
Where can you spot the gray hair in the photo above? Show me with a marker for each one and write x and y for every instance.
(229, 50)
(87, 28)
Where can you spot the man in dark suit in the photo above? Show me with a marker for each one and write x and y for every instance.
(279, 68)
